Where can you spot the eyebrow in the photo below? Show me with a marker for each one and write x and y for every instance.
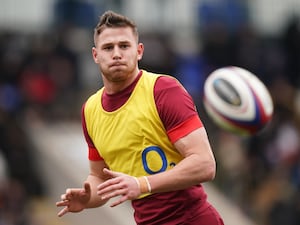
(112, 43)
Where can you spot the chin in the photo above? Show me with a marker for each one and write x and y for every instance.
(118, 75)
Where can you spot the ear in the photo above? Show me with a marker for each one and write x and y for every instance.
(94, 54)
(140, 51)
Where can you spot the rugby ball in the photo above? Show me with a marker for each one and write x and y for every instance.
(237, 100)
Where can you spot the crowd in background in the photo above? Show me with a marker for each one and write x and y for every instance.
(40, 80)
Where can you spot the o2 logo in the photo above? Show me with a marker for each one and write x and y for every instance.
(162, 157)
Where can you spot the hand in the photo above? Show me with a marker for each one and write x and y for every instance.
(74, 200)
(121, 185)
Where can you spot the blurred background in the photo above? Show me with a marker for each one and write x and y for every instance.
(47, 72)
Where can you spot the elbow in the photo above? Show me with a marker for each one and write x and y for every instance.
(212, 173)
(209, 172)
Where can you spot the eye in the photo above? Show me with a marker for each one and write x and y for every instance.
(107, 47)
(124, 46)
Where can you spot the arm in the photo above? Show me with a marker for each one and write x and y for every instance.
(187, 134)
(78, 199)
(197, 166)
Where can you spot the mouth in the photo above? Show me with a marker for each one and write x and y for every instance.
(116, 64)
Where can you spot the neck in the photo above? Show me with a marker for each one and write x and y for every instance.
(113, 87)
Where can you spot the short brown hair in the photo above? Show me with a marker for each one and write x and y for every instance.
(111, 19)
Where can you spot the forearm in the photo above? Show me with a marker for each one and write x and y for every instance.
(197, 166)
(95, 200)
(186, 174)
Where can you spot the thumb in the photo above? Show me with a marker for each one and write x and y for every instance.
(111, 173)
(87, 187)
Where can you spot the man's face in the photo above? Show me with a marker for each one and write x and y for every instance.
(117, 53)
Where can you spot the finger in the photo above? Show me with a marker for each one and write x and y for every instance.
(119, 201)
(105, 190)
(71, 192)
(108, 183)
(111, 194)
(63, 203)
(110, 188)
(63, 197)
(63, 212)
(67, 195)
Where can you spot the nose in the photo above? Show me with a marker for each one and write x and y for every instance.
(117, 53)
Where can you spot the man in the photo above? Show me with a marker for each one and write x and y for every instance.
(146, 141)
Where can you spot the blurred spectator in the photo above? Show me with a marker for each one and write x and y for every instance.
(36, 85)
(3, 169)
(16, 150)
(48, 76)
(219, 23)
(232, 14)
(158, 56)
(284, 212)
(13, 204)
(77, 13)
(9, 97)
(291, 44)
(37, 72)
(190, 71)
(189, 66)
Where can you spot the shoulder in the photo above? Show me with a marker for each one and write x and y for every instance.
(174, 104)
(166, 81)
(169, 87)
